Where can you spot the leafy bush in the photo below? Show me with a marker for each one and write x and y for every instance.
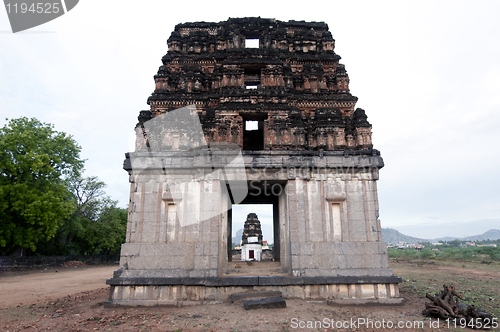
(406, 253)
(450, 253)
(426, 253)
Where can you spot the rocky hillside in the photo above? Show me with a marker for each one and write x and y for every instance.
(390, 235)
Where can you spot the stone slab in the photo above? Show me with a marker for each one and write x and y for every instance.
(280, 281)
(254, 281)
(255, 159)
(252, 295)
(265, 303)
(143, 281)
(234, 281)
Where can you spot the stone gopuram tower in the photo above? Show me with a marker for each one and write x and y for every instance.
(251, 240)
(253, 111)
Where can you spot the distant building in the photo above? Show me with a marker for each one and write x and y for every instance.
(251, 239)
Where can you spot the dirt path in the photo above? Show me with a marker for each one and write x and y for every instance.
(49, 284)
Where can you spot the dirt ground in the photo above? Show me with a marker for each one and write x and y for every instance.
(42, 285)
(71, 299)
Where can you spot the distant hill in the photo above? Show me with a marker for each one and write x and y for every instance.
(390, 235)
(237, 239)
(492, 234)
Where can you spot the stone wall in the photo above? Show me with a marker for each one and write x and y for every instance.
(329, 226)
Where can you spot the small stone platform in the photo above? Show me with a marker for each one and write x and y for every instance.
(189, 291)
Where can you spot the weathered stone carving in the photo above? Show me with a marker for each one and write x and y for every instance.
(251, 229)
(306, 149)
(294, 72)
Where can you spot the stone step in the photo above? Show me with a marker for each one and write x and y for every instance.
(252, 295)
(254, 271)
(262, 264)
(265, 303)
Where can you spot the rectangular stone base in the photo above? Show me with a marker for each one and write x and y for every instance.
(126, 292)
(265, 303)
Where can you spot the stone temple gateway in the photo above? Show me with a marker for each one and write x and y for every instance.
(253, 111)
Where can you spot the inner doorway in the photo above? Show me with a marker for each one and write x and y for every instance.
(265, 200)
(265, 215)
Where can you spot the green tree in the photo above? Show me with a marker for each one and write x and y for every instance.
(96, 225)
(34, 201)
(108, 232)
(90, 200)
(89, 195)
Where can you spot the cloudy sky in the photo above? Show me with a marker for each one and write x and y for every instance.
(426, 72)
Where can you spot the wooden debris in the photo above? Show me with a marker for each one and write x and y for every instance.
(447, 305)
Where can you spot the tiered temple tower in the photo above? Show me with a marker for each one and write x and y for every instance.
(292, 85)
(251, 240)
(251, 229)
(274, 123)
